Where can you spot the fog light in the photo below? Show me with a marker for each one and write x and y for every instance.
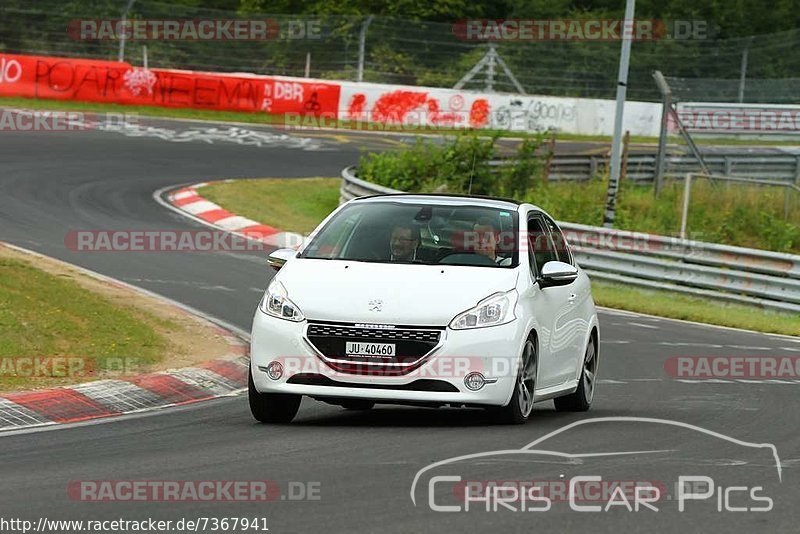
(474, 381)
(275, 370)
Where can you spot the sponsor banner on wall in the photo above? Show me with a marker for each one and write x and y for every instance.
(750, 119)
(115, 82)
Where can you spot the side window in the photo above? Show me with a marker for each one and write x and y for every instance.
(540, 247)
(331, 241)
(560, 242)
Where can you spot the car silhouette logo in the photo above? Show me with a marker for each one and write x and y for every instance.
(375, 305)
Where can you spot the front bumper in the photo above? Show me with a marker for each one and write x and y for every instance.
(493, 352)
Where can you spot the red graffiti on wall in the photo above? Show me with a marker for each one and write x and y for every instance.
(439, 118)
(414, 107)
(355, 108)
(395, 106)
(479, 113)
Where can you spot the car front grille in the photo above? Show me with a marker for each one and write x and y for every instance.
(412, 344)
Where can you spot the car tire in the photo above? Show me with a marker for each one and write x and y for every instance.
(358, 405)
(581, 400)
(520, 407)
(271, 407)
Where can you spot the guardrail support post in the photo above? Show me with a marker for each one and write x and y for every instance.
(593, 167)
(786, 197)
(687, 192)
(666, 93)
(797, 170)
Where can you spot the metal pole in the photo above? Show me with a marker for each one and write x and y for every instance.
(622, 86)
(308, 65)
(490, 69)
(362, 44)
(743, 70)
(786, 198)
(687, 192)
(691, 144)
(144, 56)
(661, 155)
(121, 54)
(508, 73)
(473, 71)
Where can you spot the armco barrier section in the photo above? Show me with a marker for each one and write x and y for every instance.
(738, 119)
(317, 102)
(642, 167)
(734, 274)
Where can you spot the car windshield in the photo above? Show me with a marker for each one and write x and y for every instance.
(419, 233)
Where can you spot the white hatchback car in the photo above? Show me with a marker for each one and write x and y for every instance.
(426, 300)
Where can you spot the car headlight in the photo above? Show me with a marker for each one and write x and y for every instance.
(493, 310)
(276, 303)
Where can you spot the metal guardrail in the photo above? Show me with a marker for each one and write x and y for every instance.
(642, 167)
(735, 274)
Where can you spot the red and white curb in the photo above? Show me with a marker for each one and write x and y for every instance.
(113, 397)
(187, 201)
(131, 394)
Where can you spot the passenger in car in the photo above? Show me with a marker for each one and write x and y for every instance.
(404, 241)
(487, 239)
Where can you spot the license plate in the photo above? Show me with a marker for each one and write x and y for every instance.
(380, 350)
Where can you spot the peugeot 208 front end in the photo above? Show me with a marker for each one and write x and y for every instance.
(426, 300)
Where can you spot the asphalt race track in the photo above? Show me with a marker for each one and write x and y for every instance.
(364, 462)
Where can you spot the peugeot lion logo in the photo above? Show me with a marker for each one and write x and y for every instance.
(375, 305)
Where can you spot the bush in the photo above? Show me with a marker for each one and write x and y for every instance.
(734, 214)
(459, 166)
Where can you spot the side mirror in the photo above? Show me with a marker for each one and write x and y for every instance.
(557, 273)
(278, 258)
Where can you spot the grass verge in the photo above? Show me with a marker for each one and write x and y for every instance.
(733, 214)
(46, 316)
(679, 306)
(299, 204)
(85, 329)
(293, 205)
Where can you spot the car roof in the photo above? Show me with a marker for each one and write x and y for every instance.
(443, 198)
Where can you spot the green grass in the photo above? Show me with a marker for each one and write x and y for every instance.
(293, 205)
(46, 315)
(678, 306)
(732, 214)
(299, 204)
